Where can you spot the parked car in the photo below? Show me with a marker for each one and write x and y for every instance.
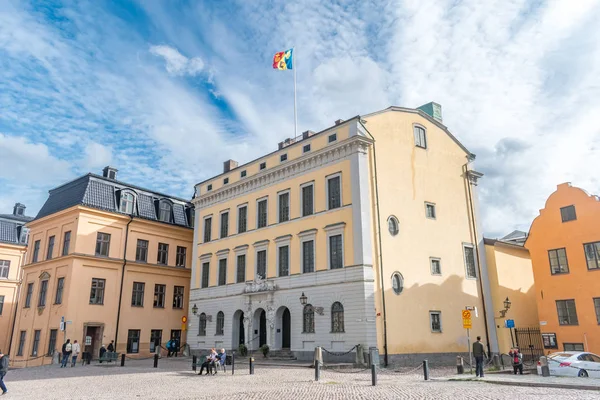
(573, 363)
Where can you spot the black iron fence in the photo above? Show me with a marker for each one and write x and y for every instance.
(530, 344)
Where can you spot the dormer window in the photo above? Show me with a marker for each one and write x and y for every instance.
(127, 201)
(164, 210)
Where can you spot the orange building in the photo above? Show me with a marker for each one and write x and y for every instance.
(564, 244)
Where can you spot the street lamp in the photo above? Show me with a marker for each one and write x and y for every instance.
(195, 309)
(507, 305)
(303, 299)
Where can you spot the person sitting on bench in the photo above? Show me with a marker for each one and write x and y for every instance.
(209, 364)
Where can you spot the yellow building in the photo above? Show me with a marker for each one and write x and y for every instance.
(13, 247)
(371, 222)
(110, 258)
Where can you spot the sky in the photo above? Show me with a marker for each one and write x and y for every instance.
(167, 91)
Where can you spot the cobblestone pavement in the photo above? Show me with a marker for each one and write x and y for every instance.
(174, 380)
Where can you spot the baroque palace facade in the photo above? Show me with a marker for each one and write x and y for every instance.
(364, 233)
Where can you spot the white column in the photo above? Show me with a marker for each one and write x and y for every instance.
(195, 248)
(361, 206)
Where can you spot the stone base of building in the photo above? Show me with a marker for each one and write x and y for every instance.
(434, 359)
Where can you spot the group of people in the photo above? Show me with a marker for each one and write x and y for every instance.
(479, 354)
(70, 351)
(212, 361)
(104, 349)
(172, 347)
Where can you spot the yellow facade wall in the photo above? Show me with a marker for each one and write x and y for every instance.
(9, 288)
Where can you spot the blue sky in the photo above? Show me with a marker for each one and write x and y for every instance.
(166, 91)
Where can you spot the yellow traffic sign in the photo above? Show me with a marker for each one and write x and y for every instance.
(466, 314)
(467, 323)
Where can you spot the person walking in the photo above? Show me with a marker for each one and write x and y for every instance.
(111, 346)
(3, 371)
(170, 348)
(66, 352)
(479, 354)
(76, 349)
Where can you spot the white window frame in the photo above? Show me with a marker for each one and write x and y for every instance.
(472, 246)
(425, 136)
(241, 251)
(237, 218)
(279, 221)
(302, 186)
(221, 222)
(307, 236)
(280, 242)
(333, 230)
(265, 198)
(438, 312)
(327, 179)
(222, 255)
(204, 258)
(204, 228)
(439, 260)
(123, 193)
(260, 246)
(428, 203)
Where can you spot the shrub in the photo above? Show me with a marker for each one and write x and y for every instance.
(243, 350)
(265, 350)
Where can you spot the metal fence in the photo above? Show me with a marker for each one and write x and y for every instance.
(530, 344)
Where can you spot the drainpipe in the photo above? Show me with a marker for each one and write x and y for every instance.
(122, 280)
(385, 349)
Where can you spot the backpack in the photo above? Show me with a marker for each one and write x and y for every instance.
(68, 347)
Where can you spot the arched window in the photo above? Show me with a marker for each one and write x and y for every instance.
(308, 323)
(220, 322)
(127, 200)
(202, 327)
(337, 317)
(397, 282)
(393, 225)
(165, 211)
(420, 136)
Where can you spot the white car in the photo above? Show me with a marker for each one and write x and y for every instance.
(573, 363)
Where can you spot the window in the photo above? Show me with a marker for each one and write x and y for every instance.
(209, 188)
(549, 340)
(558, 261)
(241, 268)
(163, 254)
(261, 263)
(222, 272)
(284, 260)
(36, 342)
(36, 251)
(308, 322)
(102, 244)
(159, 295)
(397, 282)
(420, 137)
(436, 268)
(393, 225)
(43, 291)
(178, 297)
(137, 295)
(66, 243)
(284, 207)
(592, 255)
(573, 347)
(308, 256)
(567, 312)
(334, 193)
(133, 341)
(202, 325)
(180, 256)
(243, 174)
(207, 229)
(126, 203)
(263, 165)
(430, 210)
(306, 148)
(597, 308)
(337, 317)
(224, 224)
(50, 249)
(205, 271)
(1, 304)
(225, 181)
(97, 292)
(435, 321)
(283, 158)
(220, 323)
(4, 268)
(307, 200)
(29, 295)
(262, 214)
(60, 286)
(141, 251)
(332, 138)
(336, 252)
(471, 268)
(165, 212)
(21, 343)
(52, 342)
(568, 214)
(155, 339)
(242, 219)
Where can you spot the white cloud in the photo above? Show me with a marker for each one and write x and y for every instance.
(97, 156)
(178, 64)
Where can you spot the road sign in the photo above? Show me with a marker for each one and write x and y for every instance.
(62, 326)
(509, 323)
(466, 314)
(184, 319)
(466, 317)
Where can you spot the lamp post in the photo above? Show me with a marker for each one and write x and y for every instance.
(507, 304)
(195, 309)
(311, 308)
(303, 299)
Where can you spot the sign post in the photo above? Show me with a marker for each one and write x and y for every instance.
(467, 324)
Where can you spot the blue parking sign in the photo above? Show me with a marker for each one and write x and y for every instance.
(509, 323)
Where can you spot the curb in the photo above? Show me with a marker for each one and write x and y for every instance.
(529, 384)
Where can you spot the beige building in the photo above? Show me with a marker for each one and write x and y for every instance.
(112, 260)
(13, 247)
(371, 222)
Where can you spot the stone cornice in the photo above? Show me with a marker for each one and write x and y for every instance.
(308, 162)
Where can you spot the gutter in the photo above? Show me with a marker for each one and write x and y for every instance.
(122, 280)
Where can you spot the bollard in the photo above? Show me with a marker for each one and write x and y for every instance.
(194, 361)
(251, 362)
(122, 360)
(544, 365)
(460, 367)
(373, 375)
(426, 369)
(232, 362)
(496, 360)
(156, 361)
(317, 370)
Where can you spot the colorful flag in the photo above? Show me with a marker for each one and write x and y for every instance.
(283, 59)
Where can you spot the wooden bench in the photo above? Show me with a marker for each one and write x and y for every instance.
(109, 356)
(215, 367)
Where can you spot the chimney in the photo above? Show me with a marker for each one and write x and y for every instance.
(432, 109)
(286, 143)
(229, 165)
(110, 172)
(338, 121)
(307, 134)
(19, 209)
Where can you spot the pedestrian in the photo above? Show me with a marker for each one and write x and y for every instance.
(517, 357)
(102, 351)
(111, 346)
(170, 347)
(66, 352)
(76, 350)
(479, 354)
(3, 371)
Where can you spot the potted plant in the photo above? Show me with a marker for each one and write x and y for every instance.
(265, 350)
(243, 350)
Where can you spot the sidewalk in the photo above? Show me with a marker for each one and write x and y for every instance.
(532, 380)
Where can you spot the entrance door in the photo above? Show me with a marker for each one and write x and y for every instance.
(241, 339)
(262, 332)
(285, 329)
(176, 335)
(90, 340)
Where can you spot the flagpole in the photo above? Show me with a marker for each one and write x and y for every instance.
(295, 114)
